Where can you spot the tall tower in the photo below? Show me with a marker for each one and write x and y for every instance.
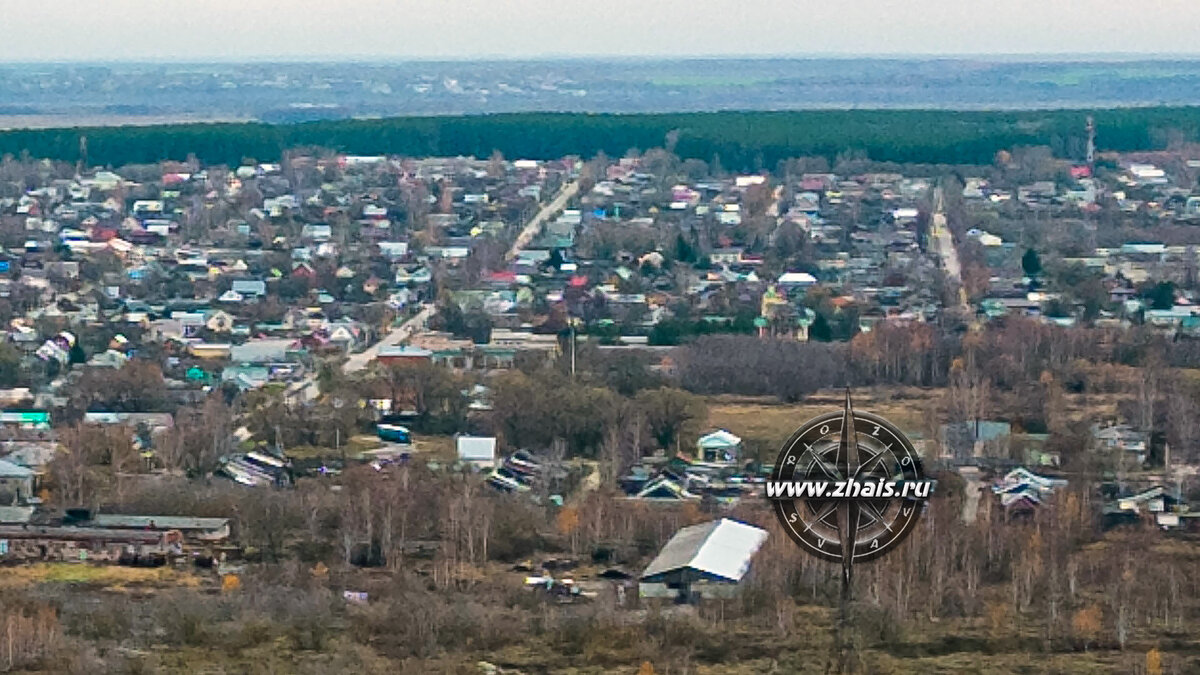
(82, 164)
(1091, 142)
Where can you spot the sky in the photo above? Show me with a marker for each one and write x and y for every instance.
(189, 30)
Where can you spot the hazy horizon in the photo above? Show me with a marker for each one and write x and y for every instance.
(376, 30)
(1096, 57)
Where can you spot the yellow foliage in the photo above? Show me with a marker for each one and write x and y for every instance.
(1033, 551)
(1087, 622)
(230, 582)
(999, 618)
(646, 669)
(1154, 662)
(567, 520)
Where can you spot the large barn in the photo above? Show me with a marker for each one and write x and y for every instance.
(706, 560)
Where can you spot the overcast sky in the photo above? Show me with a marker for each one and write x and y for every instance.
(73, 30)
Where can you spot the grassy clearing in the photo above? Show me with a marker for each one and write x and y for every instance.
(766, 423)
(438, 448)
(105, 576)
(351, 447)
(341, 655)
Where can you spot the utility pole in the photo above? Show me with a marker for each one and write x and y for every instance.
(846, 464)
(82, 163)
(1091, 142)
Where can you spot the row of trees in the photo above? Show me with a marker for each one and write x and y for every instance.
(741, 140)
(787, 369)
(536, 410)
(1010, 353)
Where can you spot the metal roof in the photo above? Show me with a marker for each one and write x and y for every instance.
(261, 351)
(403, 351)
(721, 548)
(476, 448)
(10, 470)
(80, 534)
(160, 522)
(718, 439)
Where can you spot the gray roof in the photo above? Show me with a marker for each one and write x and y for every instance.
(10, 470)
(154, 420)
(720, 548)
(29, 453)
(80, 534)
(249, 286)
(534, 255)
(260, 351)
(118, 521)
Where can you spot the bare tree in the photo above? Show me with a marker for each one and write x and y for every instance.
(968, 394)
(1149, 381)
(91, 462)
(1183, 428)
(200, 438)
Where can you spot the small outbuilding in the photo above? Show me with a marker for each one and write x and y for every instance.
(719, 446)
(478, 451)
(16, 482)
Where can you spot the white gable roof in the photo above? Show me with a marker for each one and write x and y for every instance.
(798, 278)
(719, 439)
(722, 548)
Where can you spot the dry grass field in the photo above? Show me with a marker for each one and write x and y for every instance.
(110, 577)
(764, 423)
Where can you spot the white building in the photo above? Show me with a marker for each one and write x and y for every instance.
(478, 451)
(706, 560)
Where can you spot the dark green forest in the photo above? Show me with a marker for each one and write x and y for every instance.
(741, 140)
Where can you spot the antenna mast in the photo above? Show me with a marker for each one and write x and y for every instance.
(1091, 142)
(82, 164)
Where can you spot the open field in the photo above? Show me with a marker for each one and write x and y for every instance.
(764, 423)
(98, 576)
(435, 448)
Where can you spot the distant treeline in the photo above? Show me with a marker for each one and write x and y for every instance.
(741, 140)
